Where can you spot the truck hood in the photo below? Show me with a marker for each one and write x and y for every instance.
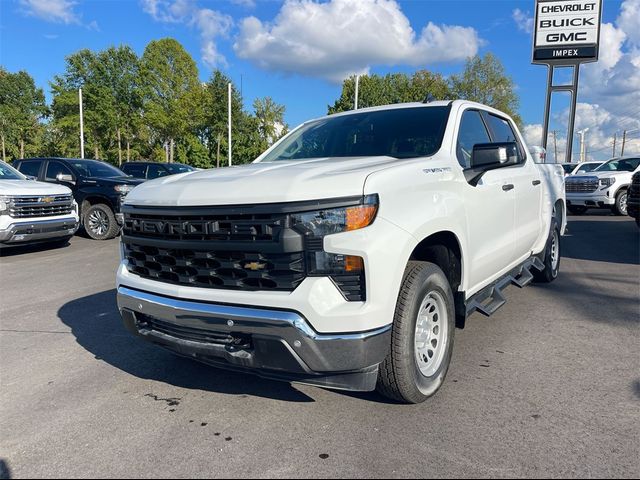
(30, 187)
(262, 183)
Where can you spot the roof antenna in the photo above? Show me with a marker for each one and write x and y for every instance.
(430, 97)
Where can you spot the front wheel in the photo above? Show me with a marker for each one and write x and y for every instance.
(100, 222)
(620, 207)
(422, 336)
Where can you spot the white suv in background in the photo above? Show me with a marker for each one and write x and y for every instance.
(34, 212)
(605, 187)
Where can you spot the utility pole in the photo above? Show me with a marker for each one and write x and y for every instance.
(615, 137)
(229, 115)
(81, 125)
(582, 150)
(357, 85)
(555, 147)
(624, 140)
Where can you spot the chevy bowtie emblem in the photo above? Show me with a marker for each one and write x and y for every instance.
(255, 266)
(47, 199)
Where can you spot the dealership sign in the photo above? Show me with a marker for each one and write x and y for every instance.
(567, 31)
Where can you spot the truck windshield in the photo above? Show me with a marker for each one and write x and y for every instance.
(93, 168)
(400, 133)
(619, 165)
(9, 173)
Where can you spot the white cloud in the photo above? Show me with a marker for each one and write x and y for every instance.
(609, 93)
(210, 24)
(341, 37)
(58, 11)
(523, 20)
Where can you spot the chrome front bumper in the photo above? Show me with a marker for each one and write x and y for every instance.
(271, 343)
(38, 231)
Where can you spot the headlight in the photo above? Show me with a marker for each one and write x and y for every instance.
(607, 182)
(346, 271)
(4, 205)
(123, 189)
(336, 220)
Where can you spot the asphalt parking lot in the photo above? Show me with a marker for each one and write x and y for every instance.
(547, 387)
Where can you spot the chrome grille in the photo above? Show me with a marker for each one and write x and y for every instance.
(581, 185)
(40, 206)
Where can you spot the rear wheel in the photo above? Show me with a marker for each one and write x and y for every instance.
(551, 256)
(100, 222)
(422, 336)
(577, 209)
(620, 207)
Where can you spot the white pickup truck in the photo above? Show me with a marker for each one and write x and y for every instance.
(34, 212)
(605, 187)
(346, 255)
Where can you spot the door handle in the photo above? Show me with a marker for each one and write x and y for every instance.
(535, 183)
(508, 187)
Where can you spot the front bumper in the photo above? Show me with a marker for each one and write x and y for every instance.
(22, 232)
(277, 344)
(594, 200)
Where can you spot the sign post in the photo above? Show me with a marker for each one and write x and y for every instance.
(567, 34)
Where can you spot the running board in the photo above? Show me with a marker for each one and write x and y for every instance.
(488, 300)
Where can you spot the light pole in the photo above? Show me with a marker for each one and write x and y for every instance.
(229, 126)
(357, 85)
(81, 125)
(582, 150)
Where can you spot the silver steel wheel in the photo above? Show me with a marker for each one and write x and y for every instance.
(431, 334)
(98, 222)
(622, 204)
(555, 250)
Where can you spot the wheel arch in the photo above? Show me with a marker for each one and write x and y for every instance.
(444, 249)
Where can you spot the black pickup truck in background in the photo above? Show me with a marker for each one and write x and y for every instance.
(633, 198)
(97, 187)
(151, 170)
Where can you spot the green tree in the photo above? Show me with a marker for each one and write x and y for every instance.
(270, 117)
(171, 92)
(22, 107)
(246, 140)
(374, 90)
(484, 81)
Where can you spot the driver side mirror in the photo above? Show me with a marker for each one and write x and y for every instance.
(61, 177)
(491, 156)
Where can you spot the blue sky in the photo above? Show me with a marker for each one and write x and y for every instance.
(296, 52)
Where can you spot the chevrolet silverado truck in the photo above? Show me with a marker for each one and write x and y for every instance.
(605, 187)
(346, 255)
(97, 186)
(34, 212)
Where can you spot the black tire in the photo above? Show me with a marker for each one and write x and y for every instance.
(638, 221)
(576, 209)
(100, 222)
(551, 267)
(400, 377)
(620, 207)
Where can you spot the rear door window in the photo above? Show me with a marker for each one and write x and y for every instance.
(135, 170)
(156, 171)
(30, 168)
(502, 131)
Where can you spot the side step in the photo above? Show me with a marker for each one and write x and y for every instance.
(491, 298)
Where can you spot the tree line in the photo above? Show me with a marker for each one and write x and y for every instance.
(155, 107)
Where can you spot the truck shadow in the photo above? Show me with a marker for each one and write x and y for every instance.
(610, 239)
(95, 322)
